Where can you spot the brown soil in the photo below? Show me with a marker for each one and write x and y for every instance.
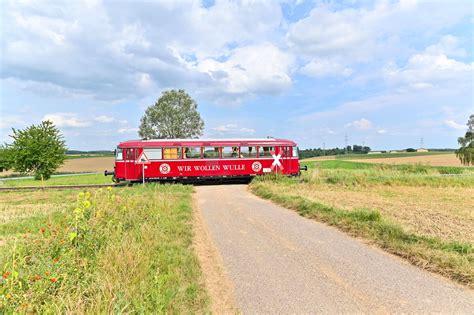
(217, 283)
(433, 160)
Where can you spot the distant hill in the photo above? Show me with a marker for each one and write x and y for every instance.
(98, 152)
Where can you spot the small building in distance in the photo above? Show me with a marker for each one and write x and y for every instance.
(421, 150)
(375, 152)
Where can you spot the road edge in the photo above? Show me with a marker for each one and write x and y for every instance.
(216, 280)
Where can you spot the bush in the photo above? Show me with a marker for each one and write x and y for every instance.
(450, 170)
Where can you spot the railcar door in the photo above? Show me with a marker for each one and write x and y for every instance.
(131, 154)
(285, 159)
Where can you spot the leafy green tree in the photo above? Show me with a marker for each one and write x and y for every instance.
(37, 150)
(466, 152)
(5, 158)
(174, 115)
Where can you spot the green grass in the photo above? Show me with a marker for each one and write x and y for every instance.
(111, 251)
(358, 173)
(63, 180)
(389, 155)
(452, 259)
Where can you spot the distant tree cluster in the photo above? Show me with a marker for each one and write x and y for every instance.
(466, 152)
(355, 149)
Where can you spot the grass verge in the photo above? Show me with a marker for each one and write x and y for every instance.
(451, 259)
(127, 251)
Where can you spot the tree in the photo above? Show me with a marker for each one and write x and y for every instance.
(466, 152)
(5, 158)
(174, 115)
(37, 150)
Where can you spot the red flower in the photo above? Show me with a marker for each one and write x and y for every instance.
(37, 277)
(24, 304)
(56, 259)
(6, 274)
(53, 280)
(42, 230)
(46, 273)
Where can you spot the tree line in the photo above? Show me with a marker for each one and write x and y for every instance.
(354, 149)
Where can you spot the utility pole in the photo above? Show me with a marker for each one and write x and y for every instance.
(345, 141)
(324, 148)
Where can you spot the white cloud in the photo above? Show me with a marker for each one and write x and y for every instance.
(252, 69)
(85, 48)
(104, 119)
(454, 125)
(66, 120)
(381, 131)
(361, 124)
(127, 130)
(362, 34)
(448, 45)
(233, 129)
(321, 67)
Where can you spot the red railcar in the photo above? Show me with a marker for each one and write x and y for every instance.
(198, 159)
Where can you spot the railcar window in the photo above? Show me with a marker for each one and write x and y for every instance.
(118, 154)
(295, 151)
(230, 152)
(248, 151)
(171, 153)
(211, 152)
(154, 154)
(129, 154)
(266, 151)
(192, 153)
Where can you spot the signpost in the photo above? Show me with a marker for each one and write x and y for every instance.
(143, 159)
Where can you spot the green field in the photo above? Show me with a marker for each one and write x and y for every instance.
(126, 250)
(387, 155)
(63, 180)
(414, 211)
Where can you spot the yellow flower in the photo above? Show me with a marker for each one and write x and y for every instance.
(88, 194)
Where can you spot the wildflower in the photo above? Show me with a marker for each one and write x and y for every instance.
(24, 304)
(56, 259)
(88, 194)
(46, 273)
(9, 296)
(53, 280)
(81, 195)
(6, 274)
(50, 225)
(42, 230)
(87, 204)
(109, 188)
(62, 242)
(37, 277)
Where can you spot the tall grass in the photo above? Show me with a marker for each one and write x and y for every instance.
(127, 252)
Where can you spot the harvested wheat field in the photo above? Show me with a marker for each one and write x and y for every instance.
(433, 160)
(93, 164)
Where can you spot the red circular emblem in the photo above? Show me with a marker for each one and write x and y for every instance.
(256, 166)
(165, 168)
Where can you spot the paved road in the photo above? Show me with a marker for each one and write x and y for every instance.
(280, 262)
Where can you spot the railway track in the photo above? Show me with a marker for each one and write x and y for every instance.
(59, 187)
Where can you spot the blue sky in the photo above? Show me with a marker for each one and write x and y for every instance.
(386, 73)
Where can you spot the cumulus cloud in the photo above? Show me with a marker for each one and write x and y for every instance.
(233, 129)
(321, 67)
(361, 124)
(66, 120)
(252, 69)
(85, 48)
(127, 130)
(454, 125)
(104, 119)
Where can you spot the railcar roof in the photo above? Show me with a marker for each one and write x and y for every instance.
(205, 142)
